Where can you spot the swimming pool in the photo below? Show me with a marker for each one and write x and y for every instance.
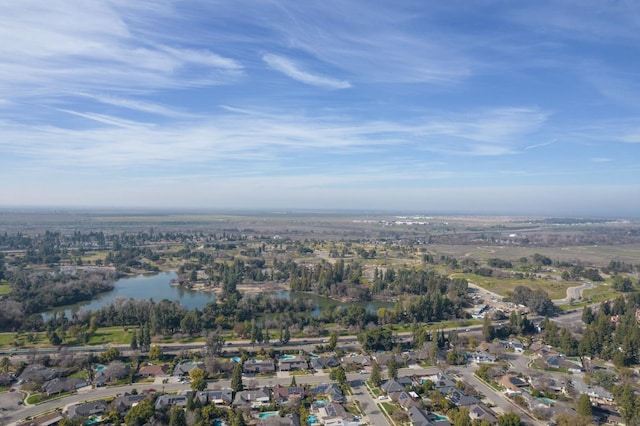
(320, 403)
(267, 414)
(287, 357)
(312, 419)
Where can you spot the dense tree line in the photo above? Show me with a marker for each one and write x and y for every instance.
(39, 291)
(537, 300)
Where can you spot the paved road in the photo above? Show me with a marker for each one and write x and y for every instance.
(372, 411)
(498, 399)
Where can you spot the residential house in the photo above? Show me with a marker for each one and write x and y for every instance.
(358, 361)
(442, 383)
(513, 384)
(597, 394)
(93, 408)
(418, 417)
(331, 390)
(217, 397)
(51, 419)
(547, 384)
(482, 412)
(256, 366)
(260, 396)
(383, 358)
(461, 399)
(6, 379)
(123, 403)
(287, 420)
(37, 373)
(293, 364)
(116, 370)
(516, 345)
(61, 384)
(403, 399)
(334, 413)
(322, 363)
(284, 394)
(183, 368)
(481, 356)
(392, 385)
(154, 371)
(169, 400)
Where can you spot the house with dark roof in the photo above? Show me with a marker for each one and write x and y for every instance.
(93, 408)
(482, 412)
(418, 417)
(253, 397)
(334, 414)
(383, 358)
(258, 366)
(116, 370)
(38, 373)
(284, 394)
(123, 403)
(6, 379)
(403, 399)
(287, 420)
(62, 384)
(392, 385)
(293, 364)
(513, 384)
(184, 367)
(461, 399)
(217, 397)
(331, 390)
(356, 360)
(322, 363)
(442, 383)
(168, 400)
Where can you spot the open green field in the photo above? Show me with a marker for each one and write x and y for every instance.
(4, 288)
(115, 335)
(502, 286)
(598, 255)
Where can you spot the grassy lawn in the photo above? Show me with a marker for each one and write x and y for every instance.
(555, 289)
(4, 288)
(389, 407)
(110, 335)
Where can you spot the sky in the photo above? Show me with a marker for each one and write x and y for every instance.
(483, 107)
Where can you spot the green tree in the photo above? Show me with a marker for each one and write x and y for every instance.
(198, 381)
(509, 419)
(5, 364)
(339, 375)
(140, 413)
(376, 376)
(134, 340)
(488, 330)
(333, 341)
(392, 367)
(155, 352)
(584, 406)
(236, 378)
(177, 417)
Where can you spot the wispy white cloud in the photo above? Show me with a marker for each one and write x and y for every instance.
(141, 106)
(58, 48)
(601, 160)
(290, 69)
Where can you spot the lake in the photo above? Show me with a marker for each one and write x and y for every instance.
(158, 287)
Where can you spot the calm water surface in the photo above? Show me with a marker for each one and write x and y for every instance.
(158, 287)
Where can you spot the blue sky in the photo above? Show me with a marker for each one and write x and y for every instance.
(470, 107)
